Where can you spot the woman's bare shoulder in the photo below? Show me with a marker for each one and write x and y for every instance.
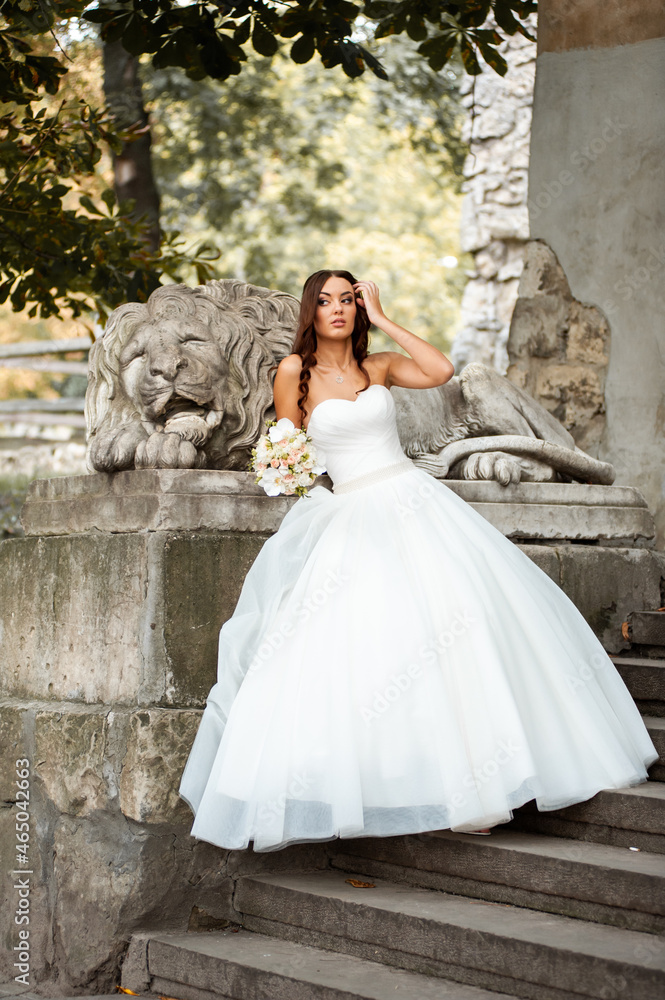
(290, 365)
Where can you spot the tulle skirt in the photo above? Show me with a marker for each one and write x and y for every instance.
(395, 665)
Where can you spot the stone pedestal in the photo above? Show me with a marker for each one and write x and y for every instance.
(219, 501)
(111, 610)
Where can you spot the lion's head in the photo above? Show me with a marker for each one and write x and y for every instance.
(184, 380)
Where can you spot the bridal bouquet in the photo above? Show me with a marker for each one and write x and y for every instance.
(285, 459)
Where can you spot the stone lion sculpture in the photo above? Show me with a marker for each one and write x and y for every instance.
(185, 381)
(481, 426)
(182, 381)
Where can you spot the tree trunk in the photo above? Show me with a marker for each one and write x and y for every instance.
(133, 166)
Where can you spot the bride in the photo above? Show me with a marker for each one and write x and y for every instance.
(394, 664)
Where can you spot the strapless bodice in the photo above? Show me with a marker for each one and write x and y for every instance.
(356, 436)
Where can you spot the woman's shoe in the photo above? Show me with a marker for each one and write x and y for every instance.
(480, 833)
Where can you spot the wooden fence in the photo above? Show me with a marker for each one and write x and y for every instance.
(42, 355)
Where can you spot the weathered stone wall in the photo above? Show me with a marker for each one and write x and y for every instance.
(109, 649)
(597, 199)
(559, 348)
(495, 222)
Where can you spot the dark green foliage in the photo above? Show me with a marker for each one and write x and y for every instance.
(53, 256)
(58, 249)
(207, 39)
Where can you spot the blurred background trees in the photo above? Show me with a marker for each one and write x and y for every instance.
(150, 141)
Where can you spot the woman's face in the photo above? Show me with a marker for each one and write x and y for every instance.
(336, 310)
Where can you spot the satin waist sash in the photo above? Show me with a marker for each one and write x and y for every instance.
(385, 472)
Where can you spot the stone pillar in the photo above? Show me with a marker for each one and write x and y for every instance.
(597, 199)
(495, 223)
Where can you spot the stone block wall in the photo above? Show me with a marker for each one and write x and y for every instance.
(109, 649)
(596, 198)
(495, 220)
(559, 348)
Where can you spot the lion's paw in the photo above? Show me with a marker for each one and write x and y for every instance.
(167, 451)
(189, 427)
(496, 465)
(503, 468)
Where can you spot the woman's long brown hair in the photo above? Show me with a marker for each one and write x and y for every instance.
(305, 342)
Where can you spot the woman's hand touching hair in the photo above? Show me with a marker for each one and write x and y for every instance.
(367, 297)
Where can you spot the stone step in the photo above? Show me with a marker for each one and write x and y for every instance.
(623, 817)
(12, 992)
(647, 628)
(240, 965)
(656, 729)
(645, 679)
(609, 885)
(490, 945)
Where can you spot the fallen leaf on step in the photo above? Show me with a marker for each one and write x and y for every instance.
(357, 884)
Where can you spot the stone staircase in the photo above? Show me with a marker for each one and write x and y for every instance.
(561, 905)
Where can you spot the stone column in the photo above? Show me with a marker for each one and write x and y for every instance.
(597, 199)
(495, 224)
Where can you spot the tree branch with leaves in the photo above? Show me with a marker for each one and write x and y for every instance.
(61, 249)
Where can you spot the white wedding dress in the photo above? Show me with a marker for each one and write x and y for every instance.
(395, 664)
